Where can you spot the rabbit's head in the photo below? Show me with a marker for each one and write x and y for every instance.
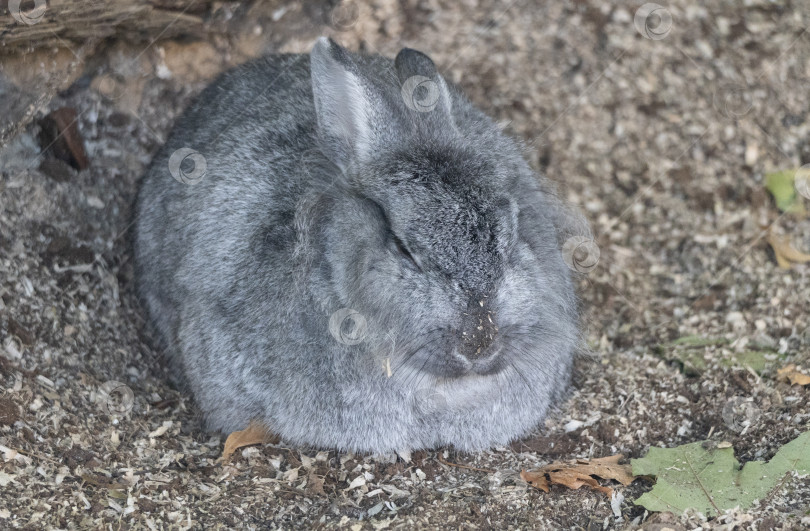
(426, 239)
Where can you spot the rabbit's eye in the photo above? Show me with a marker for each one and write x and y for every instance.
(404, 252)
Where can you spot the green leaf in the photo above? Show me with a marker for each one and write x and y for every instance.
(686, 351)
(750, 358)
(710, 480)
(699, 341)
(782, 186)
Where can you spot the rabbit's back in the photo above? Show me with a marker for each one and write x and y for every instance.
(249, 132)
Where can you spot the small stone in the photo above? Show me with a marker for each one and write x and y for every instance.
(573, 425)
(751, 154)
(736, 319)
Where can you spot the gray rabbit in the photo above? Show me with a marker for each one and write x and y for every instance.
(342, 247)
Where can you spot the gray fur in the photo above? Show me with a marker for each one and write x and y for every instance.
(312, 202)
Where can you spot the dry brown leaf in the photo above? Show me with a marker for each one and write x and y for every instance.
(574, 479)
(786, 255)
(103, 482)
(255, 433)
(575, 474)
(536, 478)
(315, 484)
(790, 374)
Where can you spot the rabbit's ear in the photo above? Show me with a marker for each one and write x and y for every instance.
(424, 90)
(352, 117)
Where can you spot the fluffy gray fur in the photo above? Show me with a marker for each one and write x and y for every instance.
(324, 190)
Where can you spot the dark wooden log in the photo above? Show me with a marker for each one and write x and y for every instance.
(28, 24)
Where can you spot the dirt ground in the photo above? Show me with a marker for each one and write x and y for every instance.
(661, 133)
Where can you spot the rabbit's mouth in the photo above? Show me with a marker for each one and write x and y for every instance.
(451, 354)
(460, 365)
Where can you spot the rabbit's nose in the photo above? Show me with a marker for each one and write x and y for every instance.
(479, 329)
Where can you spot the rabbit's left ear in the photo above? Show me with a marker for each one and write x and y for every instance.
(424, 90)
(353, 118)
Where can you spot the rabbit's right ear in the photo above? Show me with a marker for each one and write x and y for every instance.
(352, 117)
